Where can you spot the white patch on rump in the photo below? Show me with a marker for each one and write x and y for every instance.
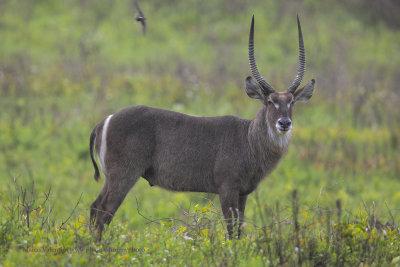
(103, 146)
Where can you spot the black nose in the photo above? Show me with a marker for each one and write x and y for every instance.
(284, 123)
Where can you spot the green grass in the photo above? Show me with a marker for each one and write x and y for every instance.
(289, 235)
(66, 65)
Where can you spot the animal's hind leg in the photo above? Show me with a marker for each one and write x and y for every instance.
(118, 186)
(94, 207)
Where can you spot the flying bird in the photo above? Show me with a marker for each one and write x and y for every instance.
(141, 18)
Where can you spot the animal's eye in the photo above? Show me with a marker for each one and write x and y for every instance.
(270, 102)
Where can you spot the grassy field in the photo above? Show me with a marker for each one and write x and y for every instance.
(65, 65)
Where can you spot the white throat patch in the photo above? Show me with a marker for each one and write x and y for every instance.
(280, 140)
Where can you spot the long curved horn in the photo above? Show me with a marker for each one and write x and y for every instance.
(267, 89)
(302, 62)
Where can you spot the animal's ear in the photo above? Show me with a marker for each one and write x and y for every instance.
(305, 93)
(253, 90)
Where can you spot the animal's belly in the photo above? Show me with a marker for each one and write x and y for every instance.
(189, 180)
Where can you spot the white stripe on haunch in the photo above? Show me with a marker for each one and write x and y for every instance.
(103, 146)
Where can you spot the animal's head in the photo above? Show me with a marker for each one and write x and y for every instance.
(279, 105)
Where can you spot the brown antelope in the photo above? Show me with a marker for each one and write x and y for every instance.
(225, 155)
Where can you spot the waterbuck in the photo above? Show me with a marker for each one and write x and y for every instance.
(224, 155)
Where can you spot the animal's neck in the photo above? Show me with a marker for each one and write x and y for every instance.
(267, 146)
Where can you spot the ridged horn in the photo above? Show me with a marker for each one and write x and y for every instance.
(266, 87)
(302, 62)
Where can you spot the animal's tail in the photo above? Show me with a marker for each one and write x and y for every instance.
(96, 169)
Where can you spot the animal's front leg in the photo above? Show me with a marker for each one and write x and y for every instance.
(229, 199)
(242, 205)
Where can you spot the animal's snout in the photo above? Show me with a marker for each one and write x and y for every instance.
(284, 124)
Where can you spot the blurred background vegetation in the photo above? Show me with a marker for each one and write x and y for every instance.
(65, 65)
